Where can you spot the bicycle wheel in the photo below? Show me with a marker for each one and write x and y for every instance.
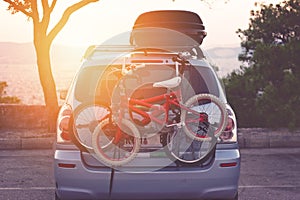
(185, 151)
(85, 119)
(112, 151)
(204, 117)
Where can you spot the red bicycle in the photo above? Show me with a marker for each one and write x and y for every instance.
(188, 131)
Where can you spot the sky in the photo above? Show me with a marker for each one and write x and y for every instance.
(100, 21)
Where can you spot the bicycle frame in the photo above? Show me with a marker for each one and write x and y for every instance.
(173, 97)
(130, 104)
(169, 98)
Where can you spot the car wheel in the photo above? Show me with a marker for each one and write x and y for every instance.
(56, 197)
(236, 196)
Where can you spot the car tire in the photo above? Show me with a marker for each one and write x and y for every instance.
(56, 197)
(236, 196)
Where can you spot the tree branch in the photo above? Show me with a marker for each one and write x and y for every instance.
(45, 6)
(46, 15)
(35, 12)
(52, 5)
(65, 17)
(18, 7)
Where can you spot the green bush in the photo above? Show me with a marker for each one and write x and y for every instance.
(265, 92)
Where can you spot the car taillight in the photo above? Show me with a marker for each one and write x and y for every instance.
(230, 132)
(63, 124)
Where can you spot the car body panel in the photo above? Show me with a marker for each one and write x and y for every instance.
(85, 182)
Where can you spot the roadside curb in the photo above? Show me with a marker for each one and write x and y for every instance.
(19, 139)
(268, 138)
(26, 143)
(248, 138)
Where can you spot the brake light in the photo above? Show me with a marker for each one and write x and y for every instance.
(66, 165)
(227, 133)
(233, 164)
(230, 125)
(63, 124)
(230, 132)
(64, 127)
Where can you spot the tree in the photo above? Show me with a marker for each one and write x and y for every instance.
(271, 80)
(40, 13)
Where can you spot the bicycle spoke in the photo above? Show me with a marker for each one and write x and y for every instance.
(195, 125)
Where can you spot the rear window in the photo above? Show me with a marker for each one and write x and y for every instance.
(98, 82)
(86, 84)
(197, 80)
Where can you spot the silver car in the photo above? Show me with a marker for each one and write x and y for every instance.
(155, 171)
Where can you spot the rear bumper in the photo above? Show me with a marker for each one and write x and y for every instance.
(78, 181)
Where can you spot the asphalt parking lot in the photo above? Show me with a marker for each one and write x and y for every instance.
(270, 174)
(265, 174)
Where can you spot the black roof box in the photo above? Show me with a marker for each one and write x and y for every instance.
(173, 19)
(186, 22)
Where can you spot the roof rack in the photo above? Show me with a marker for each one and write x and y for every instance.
(157, 50)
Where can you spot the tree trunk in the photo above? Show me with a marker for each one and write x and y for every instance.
(42, 43)
(42, 49)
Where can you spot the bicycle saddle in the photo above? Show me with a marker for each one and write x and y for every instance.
(171, 83)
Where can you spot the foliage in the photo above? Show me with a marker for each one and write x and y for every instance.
(4, 98)
(266, 89)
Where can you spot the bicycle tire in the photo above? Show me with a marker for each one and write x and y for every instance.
(102, 152)
(89, 115)
(184, 151)
(204, 104)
